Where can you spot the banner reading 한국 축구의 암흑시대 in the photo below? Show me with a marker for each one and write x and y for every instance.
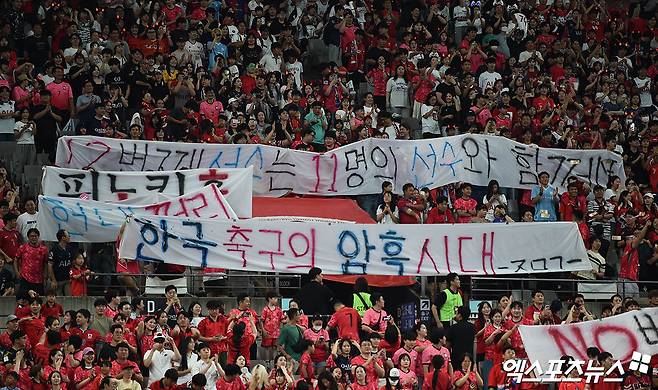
(355, 169)
(375, 249)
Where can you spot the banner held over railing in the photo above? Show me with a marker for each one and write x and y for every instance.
(293, 247)
(355, 169)
(136, 188)
(93, 221)
(621, 335)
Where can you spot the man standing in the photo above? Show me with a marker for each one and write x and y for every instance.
(60, 258)
(46, 117)
(460, 336)
(375, 319)
(600, 216)
(213, 330)
(31, 261)
(10, 241)
(447, 301)
(543, 197)
(28, 219)
(315, 297)
(409, 208)
(62, 94)
(316, 120)
(346, 320)
(7, 115)
(159, 358)
(289, 338)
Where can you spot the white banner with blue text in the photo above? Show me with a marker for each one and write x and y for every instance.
(93, 221)
(139, 188)
(355, 169)
(376, 249)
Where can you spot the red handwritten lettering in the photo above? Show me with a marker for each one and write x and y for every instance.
(155, 208)
(488, 253)
(195, 210)
(278, 251)
(219, 201)
(214, 176)
(424, 252)
(563, 340)
(107, 150)
(614, 331)
(445, 243)
(332, 188)
(461, 260)
(316, 159)
(310, 247)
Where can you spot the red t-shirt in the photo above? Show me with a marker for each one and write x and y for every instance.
(55, 311)
(530, 312)
(272, 319)
(32, 263)
(515, 338)
(10, 241)
(306, 361)
(78, 285)
(209, 328)
(371, 374)
(241, 349)
(89, 336)
(442, 381)
(465, 205)
(435, 216)
(61, 93)
(471, 382)
(348, 322)
(404, 217)
(235, 384)
(629, 263)
(33, 329)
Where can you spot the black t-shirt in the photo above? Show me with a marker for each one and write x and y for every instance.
(38, 49)
(61, 259)
(118, 79)
(461, 336)
(174, 129)
(6, 280)
(316, 298)
(136, 91)
(46, 125)
(98, 127)
(251, 55)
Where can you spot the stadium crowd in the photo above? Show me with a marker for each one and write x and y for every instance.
(313, 75)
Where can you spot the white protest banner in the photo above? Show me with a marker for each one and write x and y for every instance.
(621, 335)
(354, 169)
(146, 187)
(376, 249)
(93, 221)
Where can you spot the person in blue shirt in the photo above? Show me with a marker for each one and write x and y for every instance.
(544, 196)
(10, 381)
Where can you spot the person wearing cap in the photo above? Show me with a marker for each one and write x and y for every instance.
(86, 372)
(127, 382)
(159, 358)
(11, 326)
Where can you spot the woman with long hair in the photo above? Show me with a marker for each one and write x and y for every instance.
(282, 379)
(187, 361)
(397, 92)
(341, 355)
(484, 319)
(195, 310)
(467, 376)
(259, 378)
(207, 366)
(360, 382)
(56, 363)
(387, 212)
(146, 331)
(493, 198)
(239, 341)
(326, 381)
(393, 381)
(436, 378)
(407, 374)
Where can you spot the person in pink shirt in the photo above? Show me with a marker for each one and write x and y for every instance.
(319, 336)
(408, 378)
(408, 348)
(62, 93)
(375, 319)
(438, 339)
(465, 206)
(211, 108)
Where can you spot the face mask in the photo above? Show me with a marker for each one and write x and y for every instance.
(393, 381)
(317, 328)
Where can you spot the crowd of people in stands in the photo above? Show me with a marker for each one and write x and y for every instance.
(357, 347)
(574, 74)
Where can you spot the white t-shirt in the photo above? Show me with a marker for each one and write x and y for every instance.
(270, 63)
(645, 95)
(296, 68)
(460, 12)
(7, 124)
(430, 124)
(191, 361)
(25, 222)
(212, 376)
(27, 138)
(387, 217)
(488, 79)
(196, 50)
(399, 90)
(160, 363)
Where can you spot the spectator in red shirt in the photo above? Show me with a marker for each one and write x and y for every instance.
(212, 329)
(570, 201)
(10, 239)
(465, 206)
(168, 382)
(516, 309)
(31, 260)
(33, 326)
(346, 320)
(436, 378)
(440, 213)
(51, 308)
(240, 340)
(498, 378)
(534, 311)
(231, 379)
(409, 207)
(89, 336)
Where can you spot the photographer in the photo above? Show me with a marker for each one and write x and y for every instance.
(319, 336)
